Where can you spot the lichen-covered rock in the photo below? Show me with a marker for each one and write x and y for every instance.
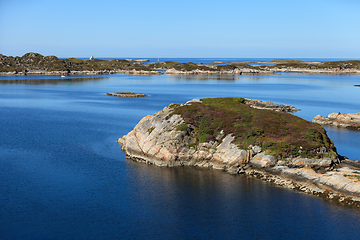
(263, 160)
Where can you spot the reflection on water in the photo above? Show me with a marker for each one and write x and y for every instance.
(206, 77)
(51, 81)
(181, 199)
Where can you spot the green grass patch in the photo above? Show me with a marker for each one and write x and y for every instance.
(182, 127)
(279, 134)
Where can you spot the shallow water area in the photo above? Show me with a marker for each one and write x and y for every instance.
(64, 176)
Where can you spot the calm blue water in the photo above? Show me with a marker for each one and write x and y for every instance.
(63, 176)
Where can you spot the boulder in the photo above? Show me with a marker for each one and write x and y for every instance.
(263, 160)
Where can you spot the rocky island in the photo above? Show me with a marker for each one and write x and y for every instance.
(341, 120)
(126, 94)
(37, 64)
(231, 135)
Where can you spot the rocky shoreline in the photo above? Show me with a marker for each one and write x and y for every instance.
(183, 72)
(65, 73)
(237, 71)
(309, 182)
(272, 71)
(37, 64)
(158, 139)
(335, 71)
(341, 120)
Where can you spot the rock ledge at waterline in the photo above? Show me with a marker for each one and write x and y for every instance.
(341, 120)
(171, 138)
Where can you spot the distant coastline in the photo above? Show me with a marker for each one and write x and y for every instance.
(37, 64)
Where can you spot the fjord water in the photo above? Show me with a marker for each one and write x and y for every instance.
(63, 176)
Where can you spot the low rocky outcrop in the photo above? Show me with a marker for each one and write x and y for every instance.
(270, 105)
(142, 60)
(86, 72)
(337, 71)
(37, 64)
(341, 120)
(236, 71)
(169, 139)
(126, 94)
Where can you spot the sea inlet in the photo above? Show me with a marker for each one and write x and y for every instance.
(64, 176)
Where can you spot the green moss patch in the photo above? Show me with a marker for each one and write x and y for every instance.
(279, 134)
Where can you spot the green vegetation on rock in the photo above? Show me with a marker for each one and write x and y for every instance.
(178, 66)
(190, 66)
(34, 61)
(37, 62)
(279, 134)
(341, 65)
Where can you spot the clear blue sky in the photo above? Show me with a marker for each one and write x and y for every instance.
(187, 28)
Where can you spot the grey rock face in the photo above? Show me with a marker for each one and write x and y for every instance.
(263, 160)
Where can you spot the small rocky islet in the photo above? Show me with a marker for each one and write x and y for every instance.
(340, 120)
(37, 64)
(126, 94)
(231, 134)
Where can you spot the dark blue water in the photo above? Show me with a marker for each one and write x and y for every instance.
(63, 176)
